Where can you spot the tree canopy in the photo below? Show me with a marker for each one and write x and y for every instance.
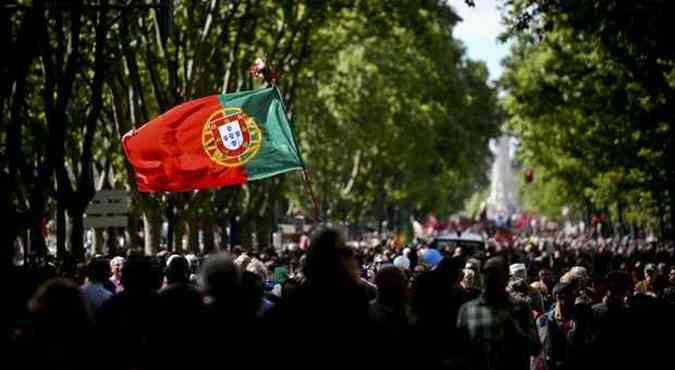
(392, 115)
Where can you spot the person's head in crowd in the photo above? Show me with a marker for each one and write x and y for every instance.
(517, 287)
(402, 262)
(242, 261)
(193, 260)
(638, 272)
(162, 256)
(289, 287)
(257, 267)
(329, 261)
(546, 277)
(116, 265)
(650, 273)
(668, 296)
(141, 275)
(671, 275)
(496, 274)
(618, 286)
(177, 270)
(518, 271)
(469, 279)
(662, 269)
(431, 258)
(221, 280)
(98, 270)
(563, 294)
(473, 264)
(254, 292)
(391, 285)
(59, 326)
(58, 305)
(449, 270)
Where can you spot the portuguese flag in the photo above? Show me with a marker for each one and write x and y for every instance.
(215, 141)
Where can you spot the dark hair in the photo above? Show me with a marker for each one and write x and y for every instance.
(618, 282)
(323, 257)
(390, 283)
(141, 273)
(98, 270)
(178, 270)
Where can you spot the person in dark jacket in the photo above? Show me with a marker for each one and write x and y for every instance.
(327, 317)
(563, 337)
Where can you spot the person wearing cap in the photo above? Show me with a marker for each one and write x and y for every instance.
(499, 332)
(402, 262)
(646, 286)
(431, 258)
(518, 271)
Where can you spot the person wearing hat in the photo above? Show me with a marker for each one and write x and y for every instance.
(518, 272)
(431, 258)
(646, 286)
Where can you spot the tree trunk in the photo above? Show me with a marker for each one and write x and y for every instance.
(208, 229)
(37, 241)
(171, 222)
(152, 225)
(60, 229)
(132, 229)
(264, 231)
(245, 234)
(178, 233)
(110, 241)
(193, 235)
(97, 245)
(671, 196)
(76, 233)
(659, 205)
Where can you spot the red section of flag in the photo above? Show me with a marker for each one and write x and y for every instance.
(168, 154)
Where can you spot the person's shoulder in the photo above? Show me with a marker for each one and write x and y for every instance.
(471, 304)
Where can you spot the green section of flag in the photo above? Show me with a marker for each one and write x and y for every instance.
(278, 152)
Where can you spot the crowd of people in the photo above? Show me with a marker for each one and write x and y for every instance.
(538, 303)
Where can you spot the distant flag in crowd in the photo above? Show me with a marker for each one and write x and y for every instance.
(214, 141)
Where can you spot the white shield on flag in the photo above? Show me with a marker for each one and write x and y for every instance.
(231, 135)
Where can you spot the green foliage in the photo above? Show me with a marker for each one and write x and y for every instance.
(398, 119)
(591, 103)
(392, 116)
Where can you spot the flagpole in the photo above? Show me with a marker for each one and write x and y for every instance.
(310, 191)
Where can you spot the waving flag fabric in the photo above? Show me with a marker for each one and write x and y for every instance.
(214, 141)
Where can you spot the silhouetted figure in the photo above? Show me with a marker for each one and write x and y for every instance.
(327, 317)
(436, 298)
(182, 315)
(231, 321)
(130, 321)
(499, 331)
(563, 336)
(59, 329)
(389, 311)
(93, 290)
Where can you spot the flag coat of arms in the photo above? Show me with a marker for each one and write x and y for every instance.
(214, 141)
